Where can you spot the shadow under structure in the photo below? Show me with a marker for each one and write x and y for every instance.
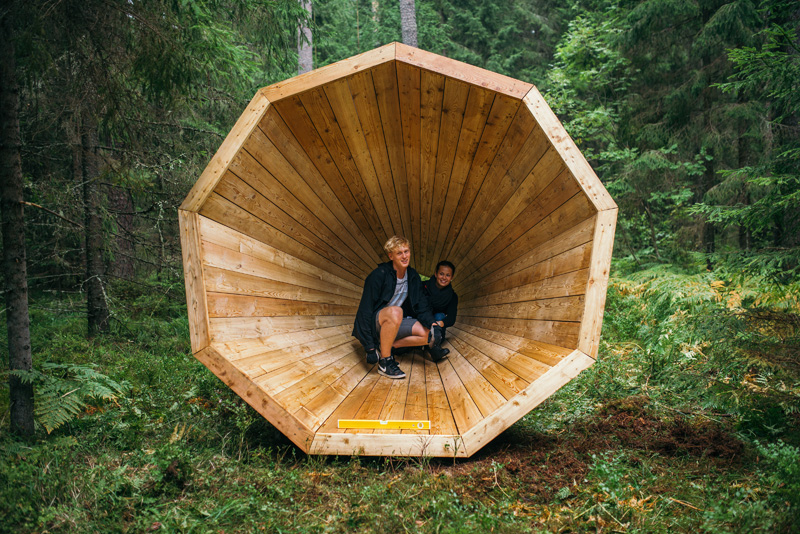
(290, 216)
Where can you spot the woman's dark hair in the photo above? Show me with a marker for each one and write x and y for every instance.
(445, 263)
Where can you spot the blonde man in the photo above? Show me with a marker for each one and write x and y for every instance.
(394, 312)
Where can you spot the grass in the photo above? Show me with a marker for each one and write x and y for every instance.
(684, 424)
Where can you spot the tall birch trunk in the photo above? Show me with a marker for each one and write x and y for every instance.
(13, 224)
(305, 49)
(408, 22)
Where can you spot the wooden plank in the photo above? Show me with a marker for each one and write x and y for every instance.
(572, 212)
(311, 368)
(544, 189)
(297, 119)
(439, 413)
(366, 104)
(324, 120)
(480, 390)
(555, 309)
(516, 156)
(465, 413)
(525, 367)
(409, 83)
(300, 434)
(282, 231)
(416, 405)
(430, 118)
(300, 393)
(561, 333)
(545, 353)
(564, 285)
(373, 404)
(348, 408)
(389, 445)
(344, 109)
(395, 405)
(479, 105)
(270, 359)
(232, 260)
(307, 185)
(603, 245)
(494, 142)
(266, 170)
(245, 348)
(462, 71)
(236, 283)
(284, 266)
(539, 390)
(503, 379)
(329, 73)
(454, 105)
(223, 329)
(219, 163)
(224, 305)
(316, 411)
(197, 306)
(384, 78)
(564, 263)
(573, 158)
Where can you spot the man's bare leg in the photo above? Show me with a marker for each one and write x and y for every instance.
(419, 336)
(389, 318)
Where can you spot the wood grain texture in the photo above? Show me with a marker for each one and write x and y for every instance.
(439, 446)
(597, 285)
(194, 279)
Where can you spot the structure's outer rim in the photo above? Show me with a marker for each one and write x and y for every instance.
(421, 445)
(329, 73)
(268, 407)
(568, 150)
(597, 286)
(197, 306)
(536, 392)
(233, 142)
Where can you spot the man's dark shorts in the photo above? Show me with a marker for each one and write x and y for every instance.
(406, 326)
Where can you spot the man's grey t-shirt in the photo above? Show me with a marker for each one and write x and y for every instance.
(400, 292)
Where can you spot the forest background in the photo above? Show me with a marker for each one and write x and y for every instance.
(687, 110)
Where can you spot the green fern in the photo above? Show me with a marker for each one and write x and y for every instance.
(64, 390)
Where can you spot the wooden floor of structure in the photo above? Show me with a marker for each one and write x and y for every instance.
(320, 376)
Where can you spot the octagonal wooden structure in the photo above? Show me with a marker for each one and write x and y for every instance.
(290, 216)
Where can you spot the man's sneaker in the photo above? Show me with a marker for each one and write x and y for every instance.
(372, 356)
(388, 367)
(435, 335)
(438, 353)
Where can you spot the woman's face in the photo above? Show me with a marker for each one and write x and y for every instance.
(444, 276)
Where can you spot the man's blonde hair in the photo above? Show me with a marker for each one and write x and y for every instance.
(395, 242)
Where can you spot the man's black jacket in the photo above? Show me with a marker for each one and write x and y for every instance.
(442, 301)
(378, 291)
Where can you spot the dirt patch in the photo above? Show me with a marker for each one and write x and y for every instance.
(539, 465)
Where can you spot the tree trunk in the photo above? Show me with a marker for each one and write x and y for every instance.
(121, 205)
(304, 42)
(13, 223)
(96, 304)
(408, 22)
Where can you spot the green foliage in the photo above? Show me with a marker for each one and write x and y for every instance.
(64, 390)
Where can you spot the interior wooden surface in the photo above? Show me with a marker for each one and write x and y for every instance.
(300, 214)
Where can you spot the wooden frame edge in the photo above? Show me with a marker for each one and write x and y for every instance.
(568, 150)
(462, 71)
(196, 304)
(525, 401)
(597, 286)
(219, 164)
(329, 73)
(420, 445)
(253, 395)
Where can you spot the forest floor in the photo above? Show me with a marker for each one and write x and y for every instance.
(674, 429)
